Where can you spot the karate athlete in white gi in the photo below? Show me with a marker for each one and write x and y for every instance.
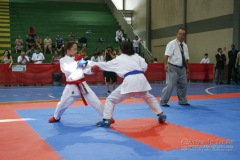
(131, 67)
(76, 84)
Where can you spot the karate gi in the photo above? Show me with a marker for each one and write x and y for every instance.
(71, 92)
(132, 85)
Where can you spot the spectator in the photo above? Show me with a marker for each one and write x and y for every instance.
(30, 52)
(237, 64)
(232, 56)
(83, 42)
(108, 56)
(205, 60)
(59, 43)
(155, 60)
(38, 57)
(71, 37)
(19, 44)
(7, 58)
(101, 57)
(32, 33)
(30, 42)
(119, 36)
(221, 61)
(137, 45)
(23, 58)
(39, 42)
(176, 67)
(47, 44)
(83, 53)
(56, 58)
(94, 57)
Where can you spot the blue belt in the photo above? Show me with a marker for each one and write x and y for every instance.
(133, 72)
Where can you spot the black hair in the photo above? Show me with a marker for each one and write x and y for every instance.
(8, 55)
(219, 49)
(206, 54)
(127, 48)
(68, 45)
(182, 29)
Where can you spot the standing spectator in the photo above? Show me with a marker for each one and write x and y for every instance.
(137, 45)
(56, 58)
(59, 43)
(119, 36)
(23, 58)
(29, 43)
(221, 61)
(71, 37)
(176, 66)
(19, 44)
(38, 57)
(47, 44)
(232, 56)
(7, 58)
(108, 56)
(32, 32)
(237, 65)
(39, 42)
(205, 60)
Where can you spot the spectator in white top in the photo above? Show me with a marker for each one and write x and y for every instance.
(101, 57)
(136, 45)
(37, 57)
(94, 57)
(205, 60)
(23, 59)
(47, 44)
(119, 35)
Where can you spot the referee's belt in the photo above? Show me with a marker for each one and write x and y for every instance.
(176, 65)
(78, 83)
(133, 72)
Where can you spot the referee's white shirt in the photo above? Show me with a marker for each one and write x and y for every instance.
(174, 52)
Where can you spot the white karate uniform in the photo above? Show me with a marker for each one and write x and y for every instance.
(132, 85)
(71, 92)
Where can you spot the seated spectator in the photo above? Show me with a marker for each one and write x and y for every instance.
(29, 43)
(37, 57)
(56, 58)
(83, 53)
(59, 43)
(7, 58)
(83, 42)
(39, 42)
(137, 45)
(32, 33)
(119, 36)
(205, 60)
(23, 58)
(30, 52)
(71, 37)
(94, 57)
(19, 44)
(47, 44)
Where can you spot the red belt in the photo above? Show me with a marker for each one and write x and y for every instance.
(78, 83)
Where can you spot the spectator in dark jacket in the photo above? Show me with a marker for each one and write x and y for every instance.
(219, 71)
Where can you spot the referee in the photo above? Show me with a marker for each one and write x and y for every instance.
(176, 67)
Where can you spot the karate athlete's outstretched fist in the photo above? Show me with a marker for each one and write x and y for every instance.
(82, 63)
(94, 68)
